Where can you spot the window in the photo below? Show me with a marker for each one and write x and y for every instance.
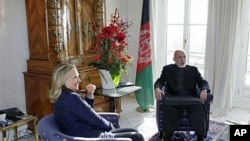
(247, 72)
(186, 29)
(246, 58)
(242, 85)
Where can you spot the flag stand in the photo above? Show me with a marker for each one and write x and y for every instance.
(149, 110)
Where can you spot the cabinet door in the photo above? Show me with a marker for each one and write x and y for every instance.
(91, 12)
(80, 15)
(62, 29)
(70, 26)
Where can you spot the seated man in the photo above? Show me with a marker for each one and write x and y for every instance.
(181, 81)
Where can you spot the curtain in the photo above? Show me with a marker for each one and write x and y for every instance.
(225, 22)
(158, 36)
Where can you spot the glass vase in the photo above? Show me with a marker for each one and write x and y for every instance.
(107, 81)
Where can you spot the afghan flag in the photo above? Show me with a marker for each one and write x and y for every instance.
(144, 78)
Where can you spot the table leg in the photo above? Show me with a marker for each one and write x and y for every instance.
(15, 133)
(4, 136)
(112, 105)
(35, 131)
(118, 105)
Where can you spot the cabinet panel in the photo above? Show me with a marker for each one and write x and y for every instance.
(36, 21)
(41, 67)
(36, 89)
(102, 104)
(70, 28)
(89, 76)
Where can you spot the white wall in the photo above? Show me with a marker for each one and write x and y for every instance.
(14, 46)
(13, 53)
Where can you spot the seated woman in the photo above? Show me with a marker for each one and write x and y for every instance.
(74, 114)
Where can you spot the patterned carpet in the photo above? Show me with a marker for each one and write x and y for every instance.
(216, 131)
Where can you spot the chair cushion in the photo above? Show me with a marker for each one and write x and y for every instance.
(112, 117)
(49, 131)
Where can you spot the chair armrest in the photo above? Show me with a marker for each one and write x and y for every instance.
(198, 91)
(61, 137)
(112, 117)
(209, 95)
(103, 139)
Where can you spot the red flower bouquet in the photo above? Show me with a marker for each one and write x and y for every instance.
(111, 49)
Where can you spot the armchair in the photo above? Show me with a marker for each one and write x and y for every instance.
(185, 124)
(49, 131)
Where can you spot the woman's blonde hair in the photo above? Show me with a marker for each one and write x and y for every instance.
(60, 75)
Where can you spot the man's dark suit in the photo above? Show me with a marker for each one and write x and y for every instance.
(192, 79)
(181, 86)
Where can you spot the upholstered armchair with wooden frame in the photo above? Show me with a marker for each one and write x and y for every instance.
(49, 131)
(185, 124)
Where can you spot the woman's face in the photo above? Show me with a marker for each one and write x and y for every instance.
(73, 81)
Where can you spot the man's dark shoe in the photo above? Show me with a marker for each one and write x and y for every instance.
(161, 134)
(157, 137)
(200, 138)
(166, 139)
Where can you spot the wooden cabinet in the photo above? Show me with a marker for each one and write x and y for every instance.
(60, 31)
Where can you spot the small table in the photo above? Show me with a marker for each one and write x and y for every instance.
(15, 125)
(118, 93)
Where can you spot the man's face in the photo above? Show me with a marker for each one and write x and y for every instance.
(180, 59)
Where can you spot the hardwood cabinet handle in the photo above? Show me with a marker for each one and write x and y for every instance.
(55, 16)
(57, 49)
(56, 1)
(57, 33)
(89, 79)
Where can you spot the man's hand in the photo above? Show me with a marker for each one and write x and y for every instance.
(203, 95)
(158, 94)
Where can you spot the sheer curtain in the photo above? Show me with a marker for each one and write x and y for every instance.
(226, 20)
(158, 21)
